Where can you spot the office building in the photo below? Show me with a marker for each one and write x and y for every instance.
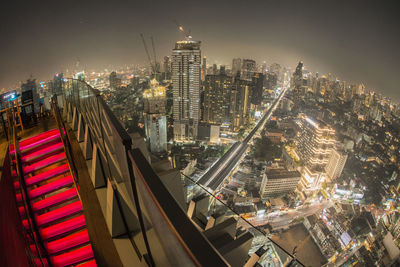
(204, 68)
(257, 88)
(239, 103)
(115, 82)
(236, 66)
(217, 89)
(297, 81)
(278, 182)
(186, 60)
(248, 69)
(335, 164)
(167, 68)
(314, 146)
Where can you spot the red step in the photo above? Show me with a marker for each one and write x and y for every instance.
(47, 188)
(36, 138)
(63, 227)
(56, 214)
(43, 163)
(44, 175)
(25, 148)
(68, 242)
(72, 257)
(50, 201)
(42, 152)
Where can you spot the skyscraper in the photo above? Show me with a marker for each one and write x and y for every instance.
(248, 69)
(236, 66)
(217, 90)
(315, 145)
(239, 103)
(257, 88)
(214, 69)
(115, 82)
(204, 68)
(186, 60)
(167, 68)
(298, 76)
(336, 164)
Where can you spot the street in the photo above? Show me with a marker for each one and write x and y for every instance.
(281, 219)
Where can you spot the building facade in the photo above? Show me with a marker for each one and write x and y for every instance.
(154, 101)
(248, 69)
(217, 89)
(277, 182)
(314, 147)
(186, 60)
(335, 164)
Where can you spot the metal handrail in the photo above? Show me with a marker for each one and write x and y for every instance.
(66, 142)
(36, 238)
(126, 140)
(197, 247)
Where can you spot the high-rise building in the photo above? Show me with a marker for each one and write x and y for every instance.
(214, 69)
(285, 105)
(257, 88)
(236, 66)
(335, 164)
(186, 60)
(248, 69)
(217, 89)
(167, 68)
(115, 82)
(263, 67)
(222, 70)
(204, 68)
(277, 182)
(239, 103)
(154, 101)
(315, 144)
(135, 81)
(57, 84)
(298, 76)
(275, 68)
(271, 80)
(29, 94)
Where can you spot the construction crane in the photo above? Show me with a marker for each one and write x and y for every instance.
(153, 70)
(156, 65)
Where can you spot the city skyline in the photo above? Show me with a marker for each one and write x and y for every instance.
(196, 133)
(318, 34)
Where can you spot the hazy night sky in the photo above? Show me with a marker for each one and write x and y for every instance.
(355, 40)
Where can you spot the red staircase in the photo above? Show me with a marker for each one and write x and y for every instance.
(53, 198)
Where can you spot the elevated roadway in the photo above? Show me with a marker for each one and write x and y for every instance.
(223, 167)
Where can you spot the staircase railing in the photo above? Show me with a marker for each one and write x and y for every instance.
(66, 142)
(33, 231)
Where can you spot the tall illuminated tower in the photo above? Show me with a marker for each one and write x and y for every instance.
(315, 145)
(186, 60)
